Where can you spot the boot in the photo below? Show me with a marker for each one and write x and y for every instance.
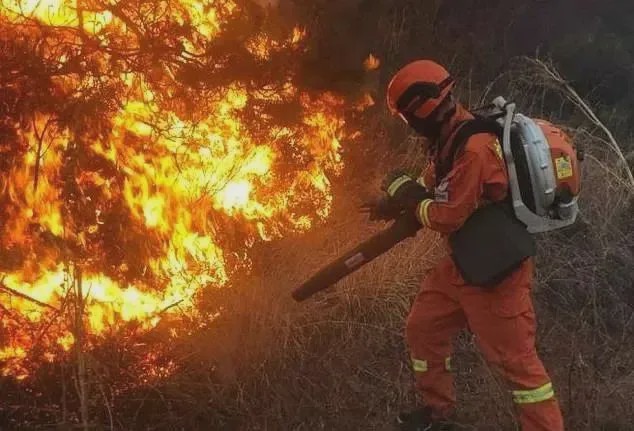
(421, 420)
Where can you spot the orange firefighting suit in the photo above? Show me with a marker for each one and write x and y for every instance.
(501, 317)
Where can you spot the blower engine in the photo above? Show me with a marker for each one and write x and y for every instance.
(543, 169)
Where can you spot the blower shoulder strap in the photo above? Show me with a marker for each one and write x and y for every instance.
(466, 129)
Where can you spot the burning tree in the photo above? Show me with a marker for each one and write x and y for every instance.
(144, 147)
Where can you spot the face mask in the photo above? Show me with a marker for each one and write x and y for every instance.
(427, 127)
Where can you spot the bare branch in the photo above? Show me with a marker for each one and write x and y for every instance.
(571, 94)
(26, 297)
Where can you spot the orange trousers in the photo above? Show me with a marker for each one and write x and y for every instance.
(503, 321)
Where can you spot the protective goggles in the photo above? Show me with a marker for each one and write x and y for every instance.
(417, 95)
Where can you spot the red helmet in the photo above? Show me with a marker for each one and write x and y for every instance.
(419, 88)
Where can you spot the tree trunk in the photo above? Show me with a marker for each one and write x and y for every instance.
(82, 374)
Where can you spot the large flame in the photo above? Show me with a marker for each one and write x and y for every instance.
(131, 220)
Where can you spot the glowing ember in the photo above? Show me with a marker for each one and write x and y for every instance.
(371, 63)
(366, 102)
(133, 213)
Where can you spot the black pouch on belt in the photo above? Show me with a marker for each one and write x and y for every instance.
(490, 245)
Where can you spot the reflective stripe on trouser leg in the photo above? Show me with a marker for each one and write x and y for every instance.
(504, 322)
(531, 396)
(433, 322)
(419, 365)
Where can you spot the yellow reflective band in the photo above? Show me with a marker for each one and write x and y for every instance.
(420, 366)
(497, 149)
(538, 395)
(421, 181)
(423, 212)
(396, 184)
(448, 363)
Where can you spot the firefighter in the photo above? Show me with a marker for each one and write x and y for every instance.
(501, 316)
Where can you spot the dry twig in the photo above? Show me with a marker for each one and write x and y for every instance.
(571, 94)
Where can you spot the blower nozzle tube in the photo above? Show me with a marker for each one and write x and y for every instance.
(404, 226)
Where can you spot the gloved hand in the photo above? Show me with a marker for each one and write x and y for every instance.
(382, 209)
(393, 176)
(404, 191)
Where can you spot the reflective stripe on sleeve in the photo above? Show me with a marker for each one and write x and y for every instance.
(423, 212)
(538, 395)
(448, 363)
(420, 366)
(397, 183)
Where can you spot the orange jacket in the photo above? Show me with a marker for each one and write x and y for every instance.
(478, 176)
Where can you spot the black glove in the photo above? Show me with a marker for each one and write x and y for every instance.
(393, 176)
(404, 191)
(383, 209)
